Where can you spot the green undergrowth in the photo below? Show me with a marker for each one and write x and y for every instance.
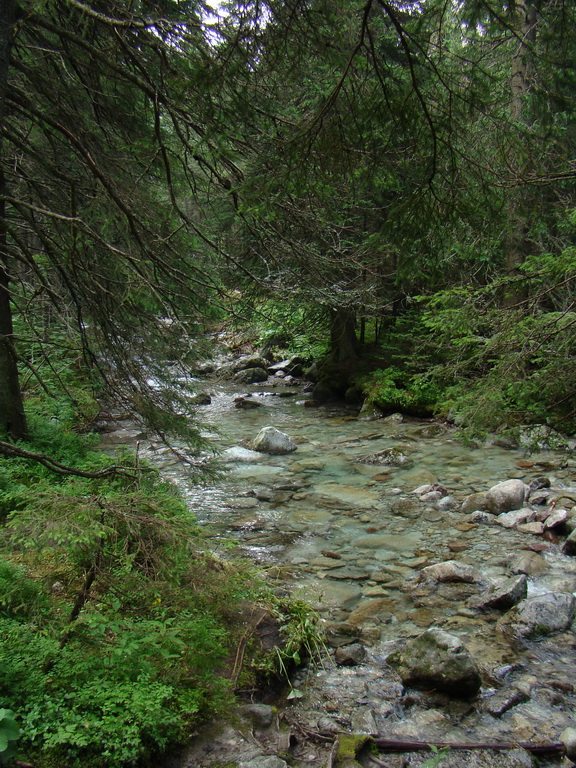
(116, 621)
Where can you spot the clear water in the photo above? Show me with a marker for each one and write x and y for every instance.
(351, 537)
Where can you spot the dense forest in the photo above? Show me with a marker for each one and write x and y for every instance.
(385, 188)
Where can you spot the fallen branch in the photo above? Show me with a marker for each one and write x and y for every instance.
(14, 451)
(398, 745)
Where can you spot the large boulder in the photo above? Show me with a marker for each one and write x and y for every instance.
(271, 440)
(437, 660)
(251, 376)
(506, 496)
(539, 616)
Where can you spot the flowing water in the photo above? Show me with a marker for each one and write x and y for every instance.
(351, 538)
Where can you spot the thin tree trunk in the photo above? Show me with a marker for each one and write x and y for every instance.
(520, 201)
(12, 418)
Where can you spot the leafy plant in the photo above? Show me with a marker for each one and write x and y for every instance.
(437, 757)
(9, 733)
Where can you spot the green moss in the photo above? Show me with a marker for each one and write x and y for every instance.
(349, 745)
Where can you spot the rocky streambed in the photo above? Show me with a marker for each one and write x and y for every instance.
(390, 529)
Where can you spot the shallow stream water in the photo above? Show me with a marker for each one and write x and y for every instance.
(351, 538)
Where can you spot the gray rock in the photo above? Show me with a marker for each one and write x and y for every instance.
(451, 570)
(410, 508)
(250, 361)
(476, 501)
(291, 366)
(241, 454)
(557, 518)
(539, 616)
(482, 518)
(202, 398)
(568, 738)
(262, 715)
(350, 655)
(264, 761)
(569, 546)
(246, 403)
(489, 758)
(530, 563)
(503, 595)
(390, 457)
(370, 412)
(506, 496)
(251, 376)
(437, 660)
(515, 517)
(271, 440)
(499, 703)
(428, 487)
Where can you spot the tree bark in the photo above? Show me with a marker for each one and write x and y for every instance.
(520, 200)
(12, 418)
(343, 340)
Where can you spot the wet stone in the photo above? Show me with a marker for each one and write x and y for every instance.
(537, 617)
(500, 702)
(437, 660)
(451, 570)
(354, 574)
(350, 655)
(504, 594)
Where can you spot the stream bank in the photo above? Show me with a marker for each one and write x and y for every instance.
(353, 537)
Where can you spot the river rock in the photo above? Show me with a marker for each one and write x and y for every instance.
(237, 453)
(476, 501)
(506, 496)
(501, 701)
(250, 361)
(504, 594)
(539, 616)
(451, 570)
(556, 519)
(409, 508)
(375, 609)
(516, 517)
(251, 376)
(536, 528)
(264, 761)
(437, 660)
(350, 655)
(271, 440)
(530, 563)
(423, 490)
(568, 738)
(262, 715)
(246, 403)
(370, 412)
(569, 546)
(201, 398)
(292, 366)
(481, 518)
(390, 457)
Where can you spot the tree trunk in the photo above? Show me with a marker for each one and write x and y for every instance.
(12, 418)
(520, 200)
(343, 340)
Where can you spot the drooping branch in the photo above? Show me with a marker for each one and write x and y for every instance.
(15, 451)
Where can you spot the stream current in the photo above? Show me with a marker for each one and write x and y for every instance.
(351, 538)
